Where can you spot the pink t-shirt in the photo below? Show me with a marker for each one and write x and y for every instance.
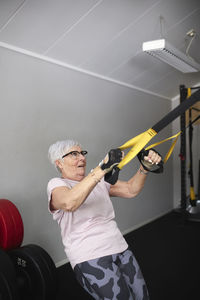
(90, 231)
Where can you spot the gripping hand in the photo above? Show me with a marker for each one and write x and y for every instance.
(150, 165)
(111, 160)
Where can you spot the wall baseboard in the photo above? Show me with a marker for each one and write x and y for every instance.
(65, 261)
(146, 222)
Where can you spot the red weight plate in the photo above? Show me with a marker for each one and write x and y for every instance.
(11, 225)
(18, 226)
(6, 227)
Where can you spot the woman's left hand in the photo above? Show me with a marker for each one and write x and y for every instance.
(153, 157)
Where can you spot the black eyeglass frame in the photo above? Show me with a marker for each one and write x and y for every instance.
(83, 152)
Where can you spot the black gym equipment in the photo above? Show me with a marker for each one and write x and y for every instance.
(192, 211)
(8, 285)
(194, 203)
(27, 273)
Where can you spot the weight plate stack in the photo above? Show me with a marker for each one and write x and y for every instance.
(8, 280)
(36, 273)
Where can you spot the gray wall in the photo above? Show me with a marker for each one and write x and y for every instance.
(42, 103)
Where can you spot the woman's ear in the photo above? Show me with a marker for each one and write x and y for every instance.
(59, 163)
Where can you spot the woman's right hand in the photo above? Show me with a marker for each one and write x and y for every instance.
(112, 159)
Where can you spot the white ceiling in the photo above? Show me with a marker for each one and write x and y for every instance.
(104, 37)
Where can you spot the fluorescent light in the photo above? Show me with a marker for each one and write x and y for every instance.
(170, 55)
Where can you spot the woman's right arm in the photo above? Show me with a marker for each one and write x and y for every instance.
(70, 199)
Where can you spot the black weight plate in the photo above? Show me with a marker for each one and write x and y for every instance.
(31, 279)
(8, 285)
(47, 267)
(48, 262)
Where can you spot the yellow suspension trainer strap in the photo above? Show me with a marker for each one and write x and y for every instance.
(140, 141)
(137, 143)
(167, 156)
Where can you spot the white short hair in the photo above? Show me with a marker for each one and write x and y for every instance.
(60, 148)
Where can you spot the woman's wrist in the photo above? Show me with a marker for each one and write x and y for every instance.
(143, 171)
(97, 174)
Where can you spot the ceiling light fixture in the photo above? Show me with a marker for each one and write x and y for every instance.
(162, 50)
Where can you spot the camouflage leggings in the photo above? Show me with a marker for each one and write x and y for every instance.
(116, 277)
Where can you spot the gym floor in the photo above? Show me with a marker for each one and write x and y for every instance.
(168, 251)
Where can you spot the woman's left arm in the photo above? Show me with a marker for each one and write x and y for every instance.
(132, 187)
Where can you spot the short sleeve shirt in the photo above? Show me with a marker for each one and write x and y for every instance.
(90, 231)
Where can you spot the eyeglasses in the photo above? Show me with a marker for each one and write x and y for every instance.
(76, 154)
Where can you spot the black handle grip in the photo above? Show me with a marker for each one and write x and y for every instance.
(147, 165)
(112, 176)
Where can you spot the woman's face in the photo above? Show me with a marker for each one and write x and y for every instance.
(73, 165)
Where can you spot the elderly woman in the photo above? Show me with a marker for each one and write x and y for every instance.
(98, 253)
